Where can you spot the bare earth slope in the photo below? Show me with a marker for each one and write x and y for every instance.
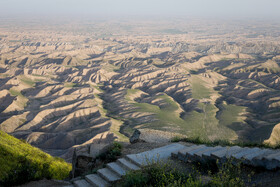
(65, 88)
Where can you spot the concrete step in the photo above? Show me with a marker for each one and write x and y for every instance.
(81, 183)
(127, 164)
(108, 175)
(225, 153)
(190, 154)
(268, 158)
(271, 156)
(198, 156)
(148, 157)
(117, 168)
(244, 152)
(207, 154)
(261, 160)
(255, 158)
(96, 180)
(182, 153)
(270, 161)
(174, 154)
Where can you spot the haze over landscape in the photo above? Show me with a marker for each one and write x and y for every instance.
(77, 73)
(199, 8)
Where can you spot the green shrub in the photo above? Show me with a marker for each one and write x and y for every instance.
(229, 175)
(112, 154)
(163, 174)
(134, 178)
(160, 174)
(190, 182)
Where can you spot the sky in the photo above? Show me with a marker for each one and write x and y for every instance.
(196, 8)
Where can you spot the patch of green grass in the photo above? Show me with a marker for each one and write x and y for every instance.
(22, 100)
(14, 40)
(131, 91)
(259, 84)
(170, 104)
(20, 163)
(166, 116)
(15, 92)
(4, 75)
(28, 81)
(111, 67)
(199, 89)
(37, 75)
(70, 85)
(230, 114)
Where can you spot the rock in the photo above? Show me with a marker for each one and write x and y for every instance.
(136, 137)
(81, 163)
(85, 157)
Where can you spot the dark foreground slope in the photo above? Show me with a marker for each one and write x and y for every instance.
(20, 163)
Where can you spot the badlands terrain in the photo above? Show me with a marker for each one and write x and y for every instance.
(64, 85)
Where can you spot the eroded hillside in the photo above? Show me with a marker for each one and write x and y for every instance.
(62, 89)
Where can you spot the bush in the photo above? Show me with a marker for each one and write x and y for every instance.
(112, 154)
(229, 175)
(134, 178)
(162, 174)
(159, 174)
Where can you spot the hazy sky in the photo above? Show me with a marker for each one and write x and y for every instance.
(205, 8)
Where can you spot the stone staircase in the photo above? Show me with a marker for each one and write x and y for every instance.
(115, 170)
(257, 157)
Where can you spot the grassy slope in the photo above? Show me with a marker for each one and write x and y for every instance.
(207, 120)
(194, 124)
(231, 114)
(13, 152)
